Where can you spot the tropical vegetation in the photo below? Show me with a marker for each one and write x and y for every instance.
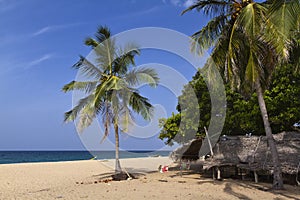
(110, 87)
(242, 114)
(248, 40)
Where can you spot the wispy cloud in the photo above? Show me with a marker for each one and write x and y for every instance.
(179, 3)
(43, 30)
(47, 29)
(138, 13)
(188, 3)
(148, 11)
(39, 60)
(13, 65)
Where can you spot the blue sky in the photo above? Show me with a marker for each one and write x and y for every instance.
(39, 42)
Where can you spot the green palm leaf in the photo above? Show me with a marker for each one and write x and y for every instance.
(210, 7)
(141, 105)
(142, 75)
(88, 69)
(86, 86)
(84, 102)
(208, 35)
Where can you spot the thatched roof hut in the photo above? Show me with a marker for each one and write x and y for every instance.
(189, 151)
(250, 153)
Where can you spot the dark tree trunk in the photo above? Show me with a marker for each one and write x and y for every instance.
(118, 168)
(277, 174)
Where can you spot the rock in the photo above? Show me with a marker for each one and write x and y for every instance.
(121, 176)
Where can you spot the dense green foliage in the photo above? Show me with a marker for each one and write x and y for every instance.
(249, 40)
(242, 115)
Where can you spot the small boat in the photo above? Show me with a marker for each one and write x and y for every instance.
(155, 155)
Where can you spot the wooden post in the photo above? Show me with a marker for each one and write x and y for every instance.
(210, 147)
(212, 154)
(218, 173)
(180, 164)
(255, 177)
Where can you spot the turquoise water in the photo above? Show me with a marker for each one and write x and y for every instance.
(7, 157)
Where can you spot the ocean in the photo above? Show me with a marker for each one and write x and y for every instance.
(8, 157)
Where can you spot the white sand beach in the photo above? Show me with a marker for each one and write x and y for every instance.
(86, 180)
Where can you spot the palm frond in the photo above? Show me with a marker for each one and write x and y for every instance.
(141, 105)
(88, 69)
(126, 57)
(210, 7)
(91, 42)
(284, 16)
(72, 114)
(208, 35)
(87, 115)
(105, 54)
(251, 18)
(125, 115)
(86, 86)
(228, 52)
(106, 119)
(103, 33)
(142, 75)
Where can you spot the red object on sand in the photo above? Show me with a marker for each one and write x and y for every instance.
(165, 169)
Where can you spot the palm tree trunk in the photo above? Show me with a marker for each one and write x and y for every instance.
(277, 174)
(118, 165)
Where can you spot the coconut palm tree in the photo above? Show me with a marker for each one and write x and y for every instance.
(248, 39)
(110, 88)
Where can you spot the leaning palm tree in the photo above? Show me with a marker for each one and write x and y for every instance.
(110, 88)
(248, 39)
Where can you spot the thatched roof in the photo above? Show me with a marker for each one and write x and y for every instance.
(253, 152)
(189, 151)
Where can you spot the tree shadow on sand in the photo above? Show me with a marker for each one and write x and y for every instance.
(294, 191)
(228, 190)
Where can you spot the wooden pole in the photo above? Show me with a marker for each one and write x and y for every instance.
(212, 154)
(218, 173)
(210, 147)
(180, 167)
(255, 177)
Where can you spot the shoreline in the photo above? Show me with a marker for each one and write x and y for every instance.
(82, 180)
(70, 161)
(15, 157)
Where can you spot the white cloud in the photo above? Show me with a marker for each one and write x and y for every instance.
(39, 60)
(148, 11)
(188, 3)
(47, 29)
(12, 65)
(43, 30)
(138, 13)
(180, 3)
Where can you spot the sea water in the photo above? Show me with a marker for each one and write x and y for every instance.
(7, 157)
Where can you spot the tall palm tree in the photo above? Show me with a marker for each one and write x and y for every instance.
(248, 39)
(110, 89)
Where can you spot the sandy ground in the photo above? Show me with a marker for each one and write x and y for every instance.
(85, 180)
